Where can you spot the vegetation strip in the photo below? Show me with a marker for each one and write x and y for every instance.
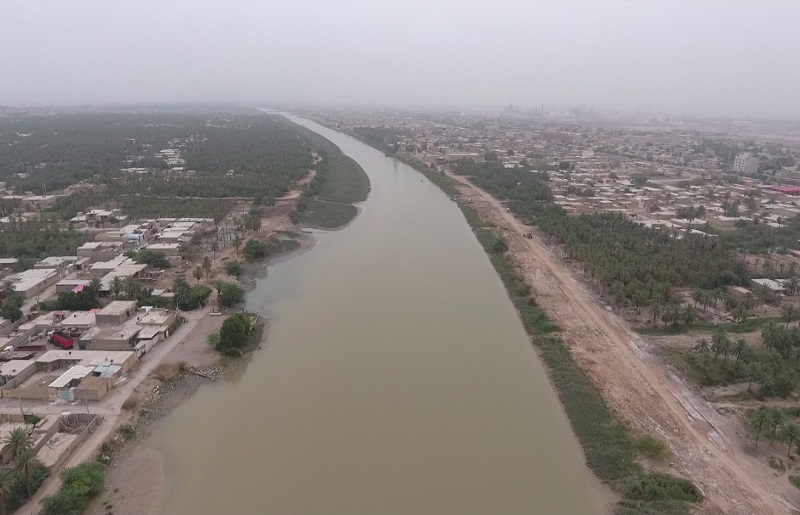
(339, 182)
(609, 449)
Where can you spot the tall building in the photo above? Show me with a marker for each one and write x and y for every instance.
(745, 163)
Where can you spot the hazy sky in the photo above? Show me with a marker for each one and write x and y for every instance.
(738, 58)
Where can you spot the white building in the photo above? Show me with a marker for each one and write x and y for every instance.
(745, 163)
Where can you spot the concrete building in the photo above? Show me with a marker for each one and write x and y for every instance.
(116, 312)
(68, 285)
(168, 249)
(58, 262)
(100, 250)
(122, 338)
(80, 320)
(34, 281)
(14, 372)
(56, 359)
(745, 163)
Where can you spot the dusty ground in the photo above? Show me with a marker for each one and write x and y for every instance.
(637, 386)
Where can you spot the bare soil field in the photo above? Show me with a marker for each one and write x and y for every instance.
(638, 387)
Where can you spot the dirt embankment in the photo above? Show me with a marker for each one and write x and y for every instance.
(136, 477)
(639, 389)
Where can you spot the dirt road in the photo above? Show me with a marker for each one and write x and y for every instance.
(640, 390)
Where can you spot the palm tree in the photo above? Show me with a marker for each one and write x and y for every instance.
(116, 286)
(207, 265)
(702, 345)
(717, 343)
(25, 466)
(758, 421)
(214, 248)
(7, 481)
(17, 442)
(741, 345)
(198, 274)
(657, 309)
(237, 242)
(697, 296)
(776, 419)
(790, 313)
(703, 363)
(792, 284)
(770, 334)
(688, 315)
(740, 314)
(790, 433)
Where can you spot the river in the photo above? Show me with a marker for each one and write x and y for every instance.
(396, 379)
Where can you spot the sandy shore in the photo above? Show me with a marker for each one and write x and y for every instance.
(135, 477)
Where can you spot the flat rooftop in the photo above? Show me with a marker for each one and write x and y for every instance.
(118, 307)
(86, 357)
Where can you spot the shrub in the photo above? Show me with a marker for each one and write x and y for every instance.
(651, 447)
(660, 487)
(255, 249)
(79, 484)
(233, 268)
(230, 294)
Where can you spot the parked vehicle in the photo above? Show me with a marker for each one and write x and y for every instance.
(60, 339)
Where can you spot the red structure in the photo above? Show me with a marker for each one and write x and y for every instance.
(788, 190)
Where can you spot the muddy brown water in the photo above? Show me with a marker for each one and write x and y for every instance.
(396, 379)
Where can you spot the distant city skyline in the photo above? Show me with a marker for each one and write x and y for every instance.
(699, 58)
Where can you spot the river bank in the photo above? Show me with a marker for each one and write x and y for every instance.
(136, 473)
(609, 446)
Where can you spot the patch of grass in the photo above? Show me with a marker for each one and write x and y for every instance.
(776, 464)
(276, 247)
(127, 431)
(345, 181)
(661, 487)
(795, 480)
(651, 447)
(748, 326)
(327, 215)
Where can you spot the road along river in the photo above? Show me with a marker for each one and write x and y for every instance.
(396, 379)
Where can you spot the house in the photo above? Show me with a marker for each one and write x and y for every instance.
(116, 312)
(68, 285)
(100, 250)
(15, 371)
(60, 263)
(62, 387)
(34, 281)
(775, 286)
(80, 320)
(122, 338)
(168, 249)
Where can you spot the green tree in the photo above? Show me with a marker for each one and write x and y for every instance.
(230, 294)
(791, 434)
(234, 332)
(197, 273)
(116, 286)
(255, 249)
(207, 265)
(775, 420)
(790, 313)
(758, 421)
(234, 268)
(26, 466)
(18, 441)
(7, 482)
(86, 479)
